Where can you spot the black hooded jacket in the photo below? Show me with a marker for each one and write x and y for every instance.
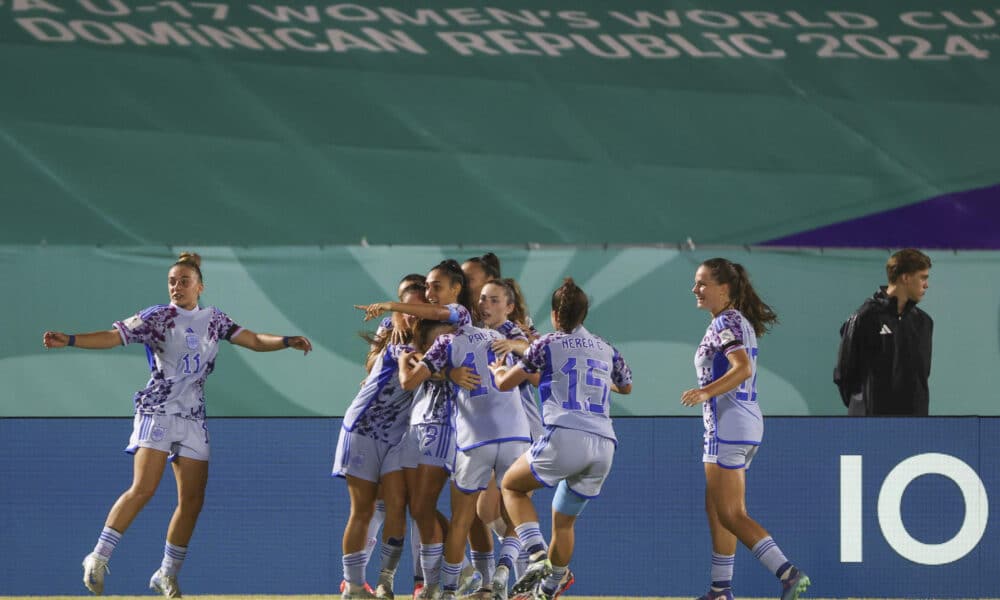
(886, 357)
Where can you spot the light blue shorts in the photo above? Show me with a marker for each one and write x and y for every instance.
(366, 458)
(581, 458)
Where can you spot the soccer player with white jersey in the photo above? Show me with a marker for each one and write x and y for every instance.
(497, 301)
(182, 340)
(575, 372)
(448, 301)
(726, 364)
(491, 432)
(370, 455)
(429, 454)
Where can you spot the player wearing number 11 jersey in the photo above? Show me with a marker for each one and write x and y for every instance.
(181, 340)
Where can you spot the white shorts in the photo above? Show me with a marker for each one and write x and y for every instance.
(729, 456)
(429, 444)
(366, 458)
(172, 434)
(582, 458)
(473, 468)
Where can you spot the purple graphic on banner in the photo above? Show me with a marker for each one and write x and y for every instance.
(964, 220)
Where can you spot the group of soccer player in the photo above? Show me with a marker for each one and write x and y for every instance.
(450, 396)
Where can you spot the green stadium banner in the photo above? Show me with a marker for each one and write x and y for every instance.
(288, 122)
(640, 301)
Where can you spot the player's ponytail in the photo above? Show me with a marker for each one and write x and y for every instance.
(570, 305)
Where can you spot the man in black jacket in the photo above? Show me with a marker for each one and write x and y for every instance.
(885, 348)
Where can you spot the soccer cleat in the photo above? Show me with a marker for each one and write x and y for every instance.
(724, 594)
(499, 584)
(351, 591)
(538, 569)
(499, 591)
(567, 581)
(794, 585)
(343, 584)
(427, 592)
(449, 595)
(94, 568)
(383, 589)
(469, 580)
(418, 586)
(165, 584)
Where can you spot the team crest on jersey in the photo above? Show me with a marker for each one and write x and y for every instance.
(158, 433)
(191, 339)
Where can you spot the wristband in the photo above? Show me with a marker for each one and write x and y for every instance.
(284, 341)
(72, 341)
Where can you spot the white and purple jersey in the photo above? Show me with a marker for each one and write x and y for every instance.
(511, 331)
(381, 410)
(458, 316)
(181, 346)
(432, 402)
(577, 370)
(483, 415)
(733, 417)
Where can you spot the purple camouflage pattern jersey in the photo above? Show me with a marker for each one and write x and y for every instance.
(381, 410)
(181, 346)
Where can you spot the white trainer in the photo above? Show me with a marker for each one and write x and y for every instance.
(94, 568)
(165, 584)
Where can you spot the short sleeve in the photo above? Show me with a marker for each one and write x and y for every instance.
(535, 358)
(728, 329)
(148, 326)
(437, 356)
(511, 331)
(222, 327)
(621, 374)
(459, 316)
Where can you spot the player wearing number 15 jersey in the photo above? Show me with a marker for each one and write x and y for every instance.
(575, 372)
(181, 340)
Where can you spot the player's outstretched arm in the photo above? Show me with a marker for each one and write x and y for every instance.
(433, 312)
(266, 342)
(97, 340)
